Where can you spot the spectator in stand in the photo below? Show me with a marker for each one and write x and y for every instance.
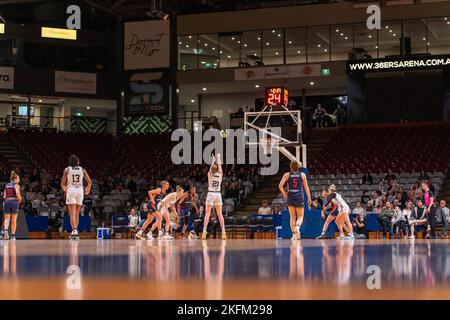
(265, 209)
(418, 193)
(377, 200)
(143, 213)
(172, 182)
(316, 205)
(423, 176)
(407, 212)
(398, 223)
(365, 198)
(443, 218)
(418, 217)
(390, 176)
(133, 220)
(359, 226)
(340, 115)
(391, 196)
(317, 197)
(382, 186)
(35, 177)
(411, 192)
(276, 210)
(131, 184)
(384, 219)
(403, 195)
(358, 209)
(367, 178)
(319, 115)
(239, 113)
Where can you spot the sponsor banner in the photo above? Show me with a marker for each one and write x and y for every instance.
(58, 33)
(147, 45)
(147, 93)
(6, 78)
(399, 64)
(75, 82)
(278, 72)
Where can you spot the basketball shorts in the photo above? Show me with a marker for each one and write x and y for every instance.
(214, 199)
(151, 207)
(11, 207)
(334, 213)
(297, 202)
(75, 196)
(345, 210)
(184, 216)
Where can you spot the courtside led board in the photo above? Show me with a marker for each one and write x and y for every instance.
(276, 96)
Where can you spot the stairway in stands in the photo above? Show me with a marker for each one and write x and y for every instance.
(315, 140)
(13, 156)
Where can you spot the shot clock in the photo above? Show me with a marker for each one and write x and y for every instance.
(276, 96)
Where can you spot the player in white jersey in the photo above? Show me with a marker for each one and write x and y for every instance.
(343, 217)
(72, 185)
(167, 202)
(214, 197)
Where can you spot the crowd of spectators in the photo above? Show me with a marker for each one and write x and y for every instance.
(399, 209)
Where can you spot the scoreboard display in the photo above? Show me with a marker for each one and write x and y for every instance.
(276, 96)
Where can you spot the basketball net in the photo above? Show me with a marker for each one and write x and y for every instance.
(268, 143)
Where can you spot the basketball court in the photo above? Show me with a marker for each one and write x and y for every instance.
(215, 269)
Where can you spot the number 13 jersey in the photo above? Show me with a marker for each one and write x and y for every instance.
(75, 177)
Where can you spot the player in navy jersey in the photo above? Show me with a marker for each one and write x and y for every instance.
(11, 205)
(331, 217)
(155, 195)
(187, 201)
(297, 184)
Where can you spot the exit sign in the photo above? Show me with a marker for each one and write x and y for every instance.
(78, 114)
(326, 72)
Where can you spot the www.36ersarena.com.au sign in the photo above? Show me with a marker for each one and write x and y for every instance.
(399, 64)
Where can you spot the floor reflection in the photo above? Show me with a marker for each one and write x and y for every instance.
(336, 263)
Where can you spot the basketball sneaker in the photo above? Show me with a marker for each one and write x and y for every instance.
(350, 237)
(224, 235)
(322, 236)
(167, 237)
(150, 236)
(140, 235)
(74, 235)
(13, 238)
(6, 236)
(204, 235)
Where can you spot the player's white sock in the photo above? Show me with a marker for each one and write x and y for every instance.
(298, 228)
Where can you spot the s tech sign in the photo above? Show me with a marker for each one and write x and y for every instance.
(6, 78)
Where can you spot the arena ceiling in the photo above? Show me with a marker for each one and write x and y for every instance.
(25, 10)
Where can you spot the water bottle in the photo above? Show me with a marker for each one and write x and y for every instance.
(278, 232)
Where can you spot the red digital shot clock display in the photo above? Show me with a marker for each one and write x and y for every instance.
(276, 96)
